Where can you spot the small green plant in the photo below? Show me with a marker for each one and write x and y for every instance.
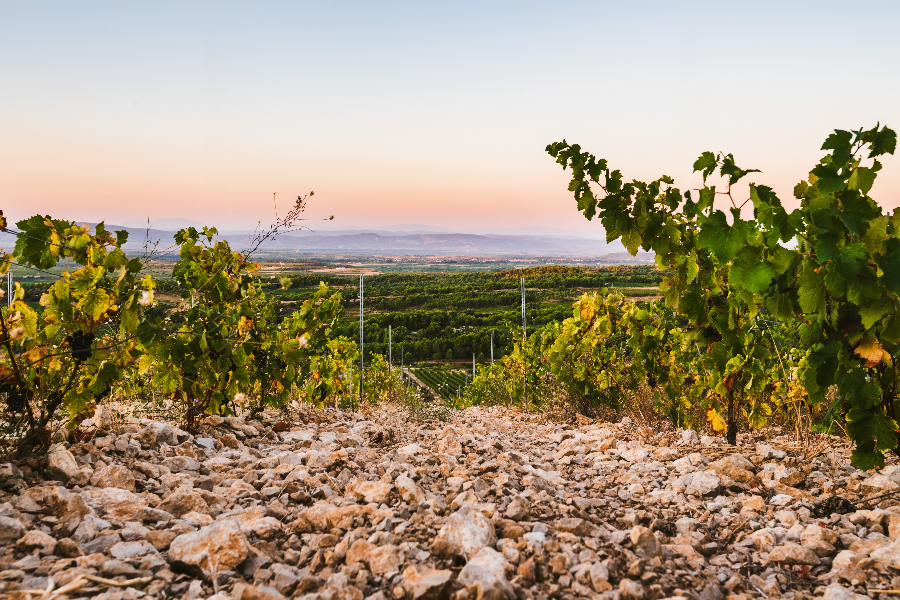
(70, 354)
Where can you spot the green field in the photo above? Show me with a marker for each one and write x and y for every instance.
(447, 383)
(449, 317)
(435, 317)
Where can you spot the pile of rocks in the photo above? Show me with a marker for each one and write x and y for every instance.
(497, 504)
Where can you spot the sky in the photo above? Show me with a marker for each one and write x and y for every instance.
(413, 112)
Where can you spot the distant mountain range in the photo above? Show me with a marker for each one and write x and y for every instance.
(411, 241)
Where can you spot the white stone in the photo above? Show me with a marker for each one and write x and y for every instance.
(487, 569)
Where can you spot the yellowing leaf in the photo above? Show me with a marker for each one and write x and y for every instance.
(870, 350)
(95, 302)
(35, 355)
(587, 310)
(715, 420)
(244, 325)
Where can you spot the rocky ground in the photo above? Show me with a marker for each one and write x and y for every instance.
(494, 504)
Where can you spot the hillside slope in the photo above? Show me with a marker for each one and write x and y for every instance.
(495, 504)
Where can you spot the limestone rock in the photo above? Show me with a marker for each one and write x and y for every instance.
(631, 590)
(887, 555)
(10, 529)
(371, 491)
(487, 571)
(424, 583)
(878, 484)
(183, 501)
(735, 466)
(62, 464)
(359, 552)
(177, 464)
(701, 483)
(385, 559)
(645, 543)
(155, 433)
(409, 491)
(218, 547)
(115, 502)
(465, 533)
(836, 591)
(793, 554)
(263, 528)
(117, 476)
(36, 540)
(819, 539)
(519, 509)
(599, 576)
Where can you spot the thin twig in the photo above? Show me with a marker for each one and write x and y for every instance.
(113, 582)
(878, 497)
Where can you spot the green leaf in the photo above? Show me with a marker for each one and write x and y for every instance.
(756, 277)
(889, 263)
(862, 179)
(765, 203)
(890, 331)
(829, 180)
(95, 302)
(104, 377)
(812, 293)
(839, 141)
(632, 242)
(707, 198)
(76, 402)
(856, 212)
(781, 305)
(41, 247)
(706, 163)
(871, 313)
(84, 279)
(722, 240)
(865, 457)
(166, 381)
(783, 259)
(876, 234)
(732, 171)
(885, 142)
(850, 260)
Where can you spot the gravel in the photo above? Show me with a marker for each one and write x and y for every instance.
(497, 504)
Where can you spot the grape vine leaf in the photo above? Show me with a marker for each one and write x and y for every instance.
(723, 241)
(870, 350)
(883, 142)
(707, 163)
(734, 172)
(850, 260)
(856, 211)
(889, 263)
(812, 291)
(862, 179)
(871, 312)
(756, 276)
(715, 420)
(95, 302)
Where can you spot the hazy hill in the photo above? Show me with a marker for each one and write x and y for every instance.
(415, 242)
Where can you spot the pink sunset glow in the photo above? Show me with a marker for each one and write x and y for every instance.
(412, 114)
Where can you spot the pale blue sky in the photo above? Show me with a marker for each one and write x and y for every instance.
(407, 112)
